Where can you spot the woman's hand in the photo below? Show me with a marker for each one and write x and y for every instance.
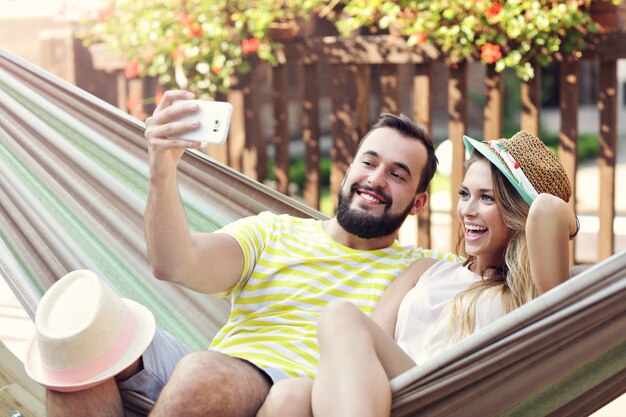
(161, 130)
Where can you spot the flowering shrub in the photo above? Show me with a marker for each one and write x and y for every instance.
(193, 44)
(200, 44)
(506, 33)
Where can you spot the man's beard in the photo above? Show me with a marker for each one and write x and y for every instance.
(368, 225)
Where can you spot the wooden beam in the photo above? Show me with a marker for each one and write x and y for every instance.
(281, 129)
(492, 113)
(568, 141)
(422, 104)
(607, 46)
(373, 50)
(607, 105)
(457, 127)
(311, 134)
(531, 103)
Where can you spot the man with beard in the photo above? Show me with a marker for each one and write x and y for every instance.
(278, 271)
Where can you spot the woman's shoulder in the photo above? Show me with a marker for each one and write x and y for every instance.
(432, 266)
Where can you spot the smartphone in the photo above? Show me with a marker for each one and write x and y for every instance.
(214, 117)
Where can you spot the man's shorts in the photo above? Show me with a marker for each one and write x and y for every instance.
(159, 361)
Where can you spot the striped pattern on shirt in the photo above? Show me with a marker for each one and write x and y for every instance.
(293, 269)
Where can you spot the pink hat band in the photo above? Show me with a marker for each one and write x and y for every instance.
(86, 333)
(98, 365)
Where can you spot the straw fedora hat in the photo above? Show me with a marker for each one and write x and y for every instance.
(527, 163)
(85, 333)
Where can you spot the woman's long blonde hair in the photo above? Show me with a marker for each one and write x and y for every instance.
(512, 280)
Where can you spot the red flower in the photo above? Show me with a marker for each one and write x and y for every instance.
(196, 29)
(189, 25)
(179, 54)
(131, 69)
(148, 55)
(216, 69)
(494, 10)
(420, 37)
(490, 53)
(250, 46)
(104, 13)
(133, 103)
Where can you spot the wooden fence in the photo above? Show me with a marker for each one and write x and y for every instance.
(347, 64)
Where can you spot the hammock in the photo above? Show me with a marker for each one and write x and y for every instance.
(72, 191)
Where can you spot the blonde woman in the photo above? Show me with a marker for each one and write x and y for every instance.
(516, 225)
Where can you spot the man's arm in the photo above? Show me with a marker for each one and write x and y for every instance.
(386, 312)
(202, 262)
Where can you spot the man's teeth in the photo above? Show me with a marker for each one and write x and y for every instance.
(475, 228)
(369, 198)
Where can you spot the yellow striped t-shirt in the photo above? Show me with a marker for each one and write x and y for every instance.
(293, 269)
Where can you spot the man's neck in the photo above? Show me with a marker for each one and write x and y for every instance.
(341, 236)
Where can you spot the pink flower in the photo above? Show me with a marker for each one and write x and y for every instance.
(490, 53)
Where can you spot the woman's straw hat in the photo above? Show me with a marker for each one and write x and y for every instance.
(85, 333)
(527, 163)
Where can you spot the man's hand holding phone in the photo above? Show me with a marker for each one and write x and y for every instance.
(173, 125)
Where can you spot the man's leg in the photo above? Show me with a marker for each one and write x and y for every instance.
(145, 376)
(103, 400)
(207, 383)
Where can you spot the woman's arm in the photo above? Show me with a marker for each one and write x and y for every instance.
(550, 224)
(386, 311)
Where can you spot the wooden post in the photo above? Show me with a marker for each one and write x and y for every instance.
(531, 103)
(363, 91)
(568, 140)
(281, 130)
(343, 121)
(457, 126)
(389, 82)
(493, 107)
(422, 103)
(311, 135)
(607, 105)
(122, 90)
(237, 131)
(254, 157)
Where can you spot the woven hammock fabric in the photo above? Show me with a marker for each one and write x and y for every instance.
(72, 190)
(73, 184)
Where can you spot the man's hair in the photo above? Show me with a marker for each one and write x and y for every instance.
(408, 128)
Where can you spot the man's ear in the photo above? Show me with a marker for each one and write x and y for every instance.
(420, 201)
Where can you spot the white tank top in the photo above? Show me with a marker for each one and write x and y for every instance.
(422, 325)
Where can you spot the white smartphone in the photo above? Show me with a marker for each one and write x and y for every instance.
(214, 117)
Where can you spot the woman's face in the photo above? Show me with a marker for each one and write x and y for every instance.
(485, 233)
